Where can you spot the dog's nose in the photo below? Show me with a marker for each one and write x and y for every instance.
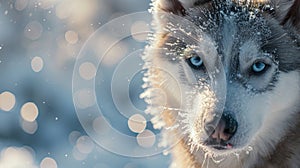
(224, 130)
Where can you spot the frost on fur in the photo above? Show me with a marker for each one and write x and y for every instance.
(227, 65)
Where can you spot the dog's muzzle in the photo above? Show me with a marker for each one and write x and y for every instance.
(222, 132)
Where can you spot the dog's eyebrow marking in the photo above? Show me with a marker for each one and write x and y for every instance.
(248, 51)
(175, 46)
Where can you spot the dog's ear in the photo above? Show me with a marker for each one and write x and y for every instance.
(170, 6)
(293, 16)
(171, 11)
(288, 12)
(177, 7)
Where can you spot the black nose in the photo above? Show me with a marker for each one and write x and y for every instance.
(224, 129)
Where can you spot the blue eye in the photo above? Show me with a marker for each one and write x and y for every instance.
(259, 67)
(195, 62)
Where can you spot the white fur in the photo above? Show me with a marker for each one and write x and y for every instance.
(263, 117)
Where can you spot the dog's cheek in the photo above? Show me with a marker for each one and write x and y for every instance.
(286, 95)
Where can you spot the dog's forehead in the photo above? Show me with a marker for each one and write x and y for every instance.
(230, 29)
(238, 33)
(231, 20)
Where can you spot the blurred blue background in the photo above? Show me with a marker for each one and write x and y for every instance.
(39, 43)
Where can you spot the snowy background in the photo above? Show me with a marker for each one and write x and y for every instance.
(39, 43)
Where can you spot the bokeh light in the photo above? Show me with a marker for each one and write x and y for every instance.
(71, 37)
(78, 155)
(146, 139)
(99, 126)
(48, 162)
(137, 123)
(33, 30)
(87, 70)
(29, 127)
(113, 54)
(21, 4)
(29, 112)
(7, 101)
(37, 64)
(76, 10)
(13, 157)
(73, 136)
(85, 145)
(84, 98)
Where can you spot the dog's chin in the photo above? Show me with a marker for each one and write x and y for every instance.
(225, 148)
(223, 151)
(220, 149)
(222, 146)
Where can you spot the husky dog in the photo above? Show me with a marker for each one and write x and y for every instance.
(223, 82)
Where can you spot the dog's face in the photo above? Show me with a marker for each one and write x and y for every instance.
(232, 73)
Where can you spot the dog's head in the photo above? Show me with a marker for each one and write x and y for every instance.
(230, 72)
